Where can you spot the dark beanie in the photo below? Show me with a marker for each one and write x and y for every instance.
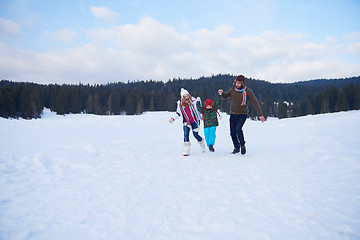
(240, 78)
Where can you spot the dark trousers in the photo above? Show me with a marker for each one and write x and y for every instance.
(236, 132)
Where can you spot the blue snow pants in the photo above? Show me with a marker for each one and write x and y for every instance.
(210, 135)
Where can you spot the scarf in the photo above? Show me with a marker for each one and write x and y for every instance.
(243, 91)
(193, 113)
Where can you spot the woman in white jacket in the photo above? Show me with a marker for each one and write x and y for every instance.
(186, 108)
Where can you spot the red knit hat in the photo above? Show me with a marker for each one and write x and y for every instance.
(209, 102)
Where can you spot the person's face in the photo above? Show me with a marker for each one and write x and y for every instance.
(187, 96)
(208, 106)
(238, 84)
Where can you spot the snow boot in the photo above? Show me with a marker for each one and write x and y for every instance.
(243, 150)
(211, 148)
(186, 148)
(202, 145)
(236, 150)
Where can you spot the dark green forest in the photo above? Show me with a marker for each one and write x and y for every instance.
(281, 100)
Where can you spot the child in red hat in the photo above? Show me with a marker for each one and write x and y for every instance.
(210, 117)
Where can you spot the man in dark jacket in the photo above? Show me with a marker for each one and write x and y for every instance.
(239, 97)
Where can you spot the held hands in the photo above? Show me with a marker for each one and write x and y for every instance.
(262, 119)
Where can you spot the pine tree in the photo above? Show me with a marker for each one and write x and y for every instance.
(29, 103)
(341, 103)
(130, 104)
(96, 104)
(140, 106)
(171, 101)
(252, 112)
(115, 102)
(151, 106)
(309, 109)
(283, 110)
(8, 106)
(296, 109)
(62, 101)
(109, 104)
(356, 104)
(333, 96)
(36, 105)
(75, 99)
(90, 104)
(316, 103)
(350, 94)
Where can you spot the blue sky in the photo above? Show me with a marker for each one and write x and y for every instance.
(109, 41)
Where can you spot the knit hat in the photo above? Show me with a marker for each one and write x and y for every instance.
(183, 92)
(209, 102)
(240, 78)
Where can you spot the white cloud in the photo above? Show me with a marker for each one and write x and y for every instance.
(104, 13)
(353, 49)
(151, 50)
(9, 28)
(355, 36)
(306, 70)
(64, 35)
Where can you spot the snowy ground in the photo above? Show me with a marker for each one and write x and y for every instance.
(123, 177)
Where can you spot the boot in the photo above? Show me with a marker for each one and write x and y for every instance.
(186, 148)
(202, 145)
(243, 150)
(211, 148)
(236, 150)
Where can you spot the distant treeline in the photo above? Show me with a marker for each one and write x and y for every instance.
(27, 100)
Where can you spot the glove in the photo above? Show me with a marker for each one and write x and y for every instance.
(171, 120)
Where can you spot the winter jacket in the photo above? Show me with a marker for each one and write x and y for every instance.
(179, 113)
(209, 115)
(236, 98)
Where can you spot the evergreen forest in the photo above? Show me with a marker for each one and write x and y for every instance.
(281, 100)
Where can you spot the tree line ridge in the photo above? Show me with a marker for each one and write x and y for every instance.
(281, 100)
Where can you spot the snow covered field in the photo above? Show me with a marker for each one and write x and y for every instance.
(123, 177)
